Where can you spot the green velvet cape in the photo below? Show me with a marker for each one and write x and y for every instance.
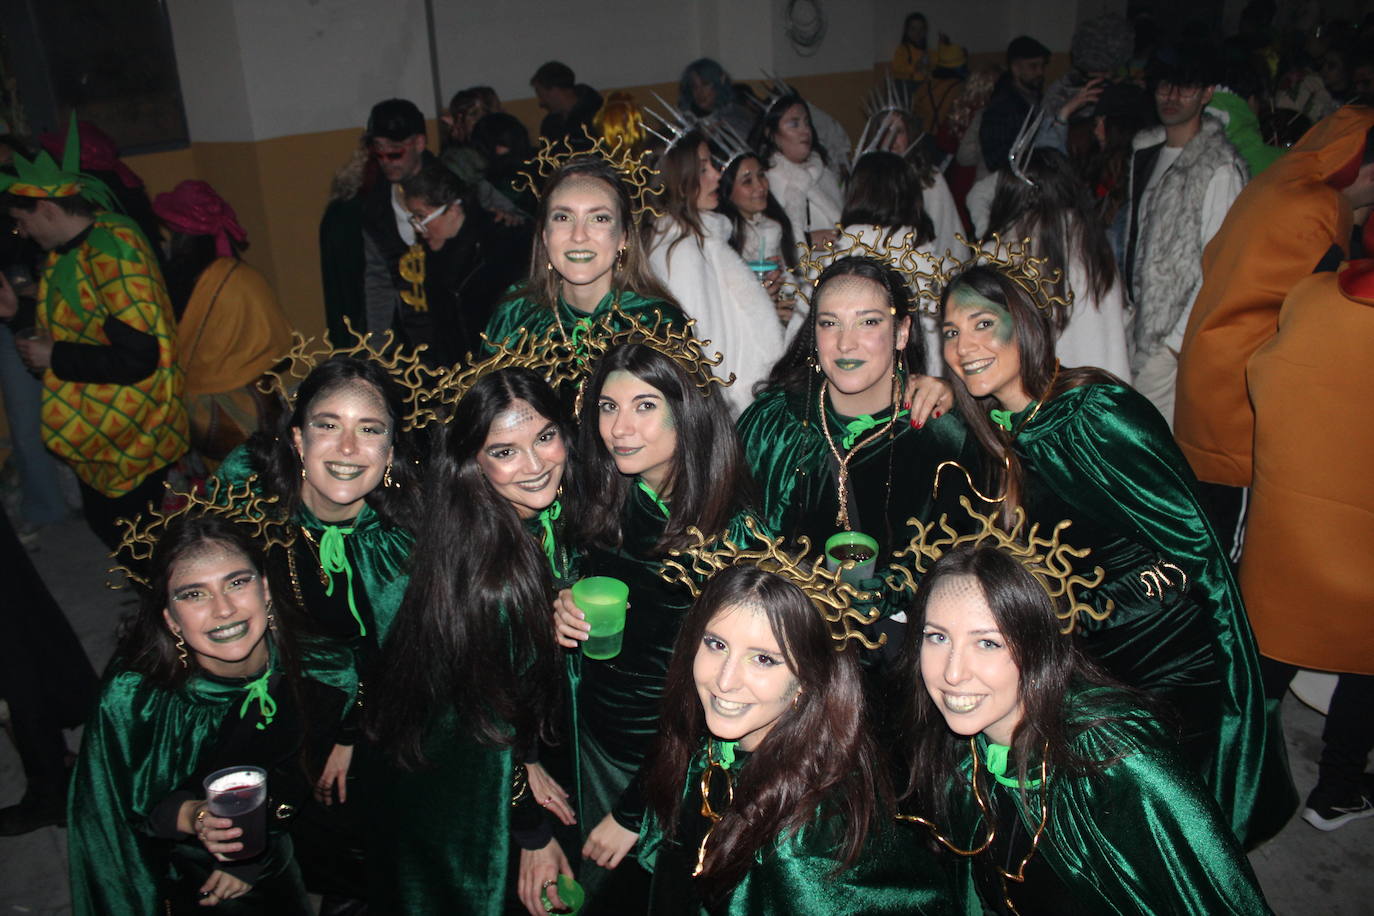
(1102, 456)
(439, 839)
(890, 480)
(377, 552)
(616, 701)
(140, 744)
(1142, 837)
(896, 872)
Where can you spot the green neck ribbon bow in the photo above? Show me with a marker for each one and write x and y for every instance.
(727, 754)
(1002, 418)
(862, 424)
(257, 690)
(334, 559)
(663, 507)
(546, 520)
(997, 765)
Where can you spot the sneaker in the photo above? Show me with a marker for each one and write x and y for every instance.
(1338, 812)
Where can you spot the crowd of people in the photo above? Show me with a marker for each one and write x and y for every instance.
(954, 471)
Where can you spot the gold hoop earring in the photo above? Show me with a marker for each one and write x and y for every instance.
(548, 265)
(619, 260)
(181, 650)
(386, 477)
(302, 472)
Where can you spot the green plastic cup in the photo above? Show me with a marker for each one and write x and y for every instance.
(570, 892)
(603, 600)
(854, 554)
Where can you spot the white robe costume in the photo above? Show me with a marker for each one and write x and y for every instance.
(732, 310)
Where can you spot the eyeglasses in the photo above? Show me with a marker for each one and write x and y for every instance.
(418, 223)
(1184, 93)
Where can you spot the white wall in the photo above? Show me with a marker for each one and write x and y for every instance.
(256, 69)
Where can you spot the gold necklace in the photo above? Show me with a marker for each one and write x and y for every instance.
(712, 766)
(1020, 874)
(558, 318)
(291, 567)
(842, 516)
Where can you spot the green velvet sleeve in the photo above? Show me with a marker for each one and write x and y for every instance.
(1108, 454)
(138, 746)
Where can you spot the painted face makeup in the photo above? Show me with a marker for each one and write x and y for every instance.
(345, 447)
(749, 193)
(523, 458)
(637, 426)
(981, 347)
(582, 234)
(966, 664)
(793, 136)
(708, 191)
(218, 603)
(856, 343)
(742, 677)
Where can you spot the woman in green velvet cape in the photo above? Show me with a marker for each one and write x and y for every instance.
(1168, 619)
(834, 420)
(1058, 789)
(204, 677)
(470, 674)
(767, 793)
(587, 260)
(344, 471)
(657, 454)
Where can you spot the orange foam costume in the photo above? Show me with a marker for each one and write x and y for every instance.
(1304, 572)
(1275, 234)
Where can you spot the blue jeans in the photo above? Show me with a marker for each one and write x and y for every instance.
(43, 502)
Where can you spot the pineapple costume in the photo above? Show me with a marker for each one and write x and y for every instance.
(113, 434)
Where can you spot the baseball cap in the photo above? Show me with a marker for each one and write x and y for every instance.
(395, 119)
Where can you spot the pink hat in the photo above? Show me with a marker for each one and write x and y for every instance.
(194, 208)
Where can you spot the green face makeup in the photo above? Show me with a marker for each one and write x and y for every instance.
(967, 299)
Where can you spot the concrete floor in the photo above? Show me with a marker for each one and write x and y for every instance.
(1303, 871)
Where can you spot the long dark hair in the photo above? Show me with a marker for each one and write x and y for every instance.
(144, 643)
(473, 629)
(820, 751)
(1057, 213)
(679, 171)
(795, 372)
(1034, 332)
(544, 284)
(708, 480)
(762, 137)
(1049, 663)
(273, 454)
(885, 191)
(773, 210)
